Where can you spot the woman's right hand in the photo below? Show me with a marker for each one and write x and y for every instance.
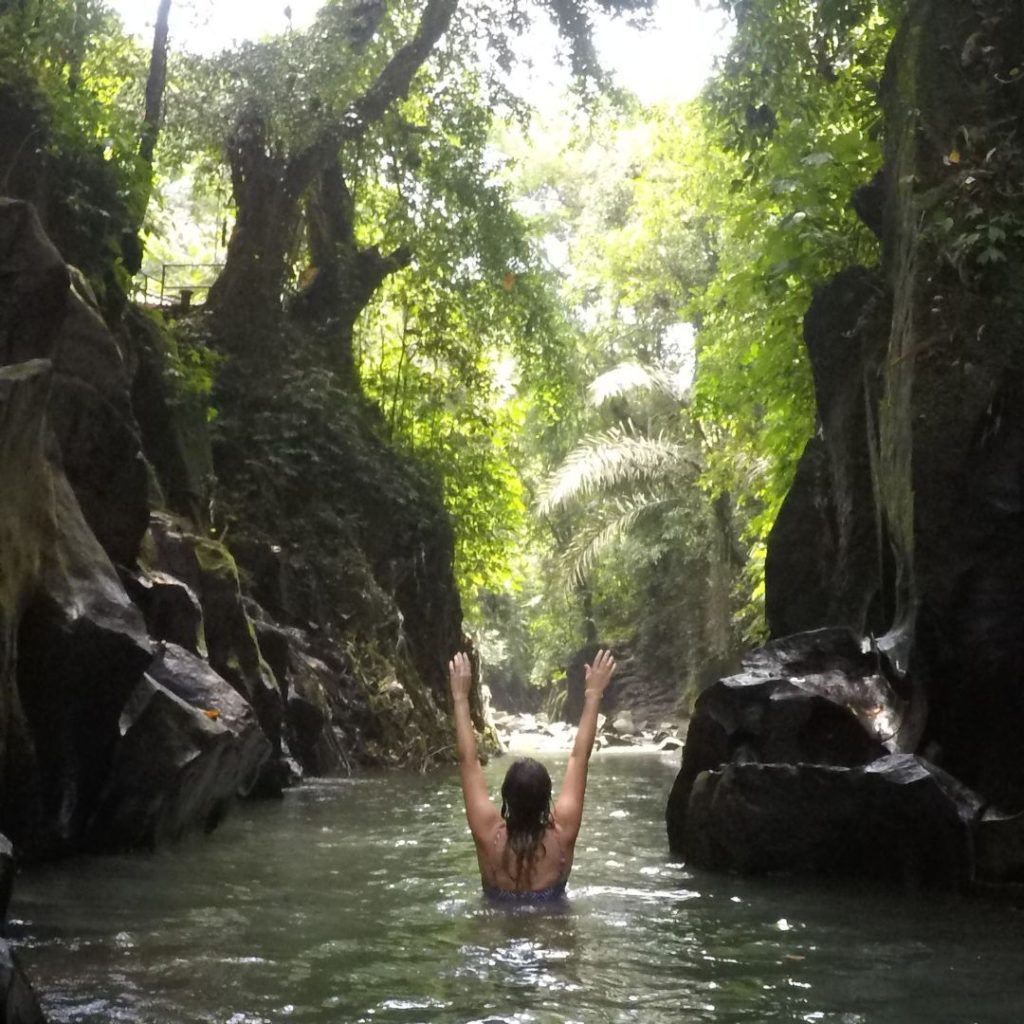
(599, 674)
(460, 675)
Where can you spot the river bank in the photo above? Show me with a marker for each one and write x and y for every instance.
(525, 733)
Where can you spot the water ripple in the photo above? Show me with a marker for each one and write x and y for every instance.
(358, 900)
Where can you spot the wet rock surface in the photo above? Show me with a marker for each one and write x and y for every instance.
(804, 764)
(72, 645)
(136, 700)
(814, 698)
(18, 1004)
(896, 820)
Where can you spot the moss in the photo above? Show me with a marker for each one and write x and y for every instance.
(214, 557)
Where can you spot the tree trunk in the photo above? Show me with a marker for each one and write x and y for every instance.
(156, 83)
(268, 188)
(247, 295)
(346, 275)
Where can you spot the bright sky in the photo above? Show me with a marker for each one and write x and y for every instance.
(670, 61)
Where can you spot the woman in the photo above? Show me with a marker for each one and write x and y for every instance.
(525, 851)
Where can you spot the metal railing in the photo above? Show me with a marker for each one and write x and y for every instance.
(176, 285)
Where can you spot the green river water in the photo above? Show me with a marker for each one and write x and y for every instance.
(358, 901)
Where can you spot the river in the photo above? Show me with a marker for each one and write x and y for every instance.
(357, 900)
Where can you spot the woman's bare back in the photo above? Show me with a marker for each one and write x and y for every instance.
(549, 868)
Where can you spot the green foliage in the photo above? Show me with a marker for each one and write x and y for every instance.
(623, 474)
(468, 341)
(640, 536)
(71, 99)
(790, 129)
(622, 222)
(299, 81)
(543, 257)
(191, 364)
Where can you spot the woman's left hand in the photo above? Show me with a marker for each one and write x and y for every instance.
(460, 675)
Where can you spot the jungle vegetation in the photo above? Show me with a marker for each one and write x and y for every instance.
(585, 325)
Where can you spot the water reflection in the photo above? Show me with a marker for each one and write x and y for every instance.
(359, 901)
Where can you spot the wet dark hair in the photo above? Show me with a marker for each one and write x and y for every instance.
(526, 808)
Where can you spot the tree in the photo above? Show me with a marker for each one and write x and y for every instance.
(71, 100)
(640, 480)
(351, 99)
(268, 188)
(156, 85)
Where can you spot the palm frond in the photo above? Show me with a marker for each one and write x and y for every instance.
(613, 457)
(608, 524)
(625, 378)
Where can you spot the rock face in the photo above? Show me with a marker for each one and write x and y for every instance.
(905, 518)
(920, 411)
(45, 317)
(17, 1001)
(107, 745)
(172, 419)
(897, 819)
(72, 646)
(136, 699)
(951, 433)
(632, 691)
(338, 536)
(825, 561)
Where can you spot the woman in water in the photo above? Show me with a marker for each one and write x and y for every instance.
(525, 851)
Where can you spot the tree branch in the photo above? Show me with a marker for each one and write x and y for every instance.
(390, 85)
(394, 81)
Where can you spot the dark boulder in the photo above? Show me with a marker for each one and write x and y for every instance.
(999, 847)
(316, 697)
(192, 680)
(814, 698)
(43, 316)
(313, 738)
(231, 636)
(72, 645)
(171, 608)
(208, 569)
(17, 1001)
(189, 745)
(897, 820)
(18, 1004)
(6, 879)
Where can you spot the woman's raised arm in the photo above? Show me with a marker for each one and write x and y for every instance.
(481, 813)
(569, 806)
